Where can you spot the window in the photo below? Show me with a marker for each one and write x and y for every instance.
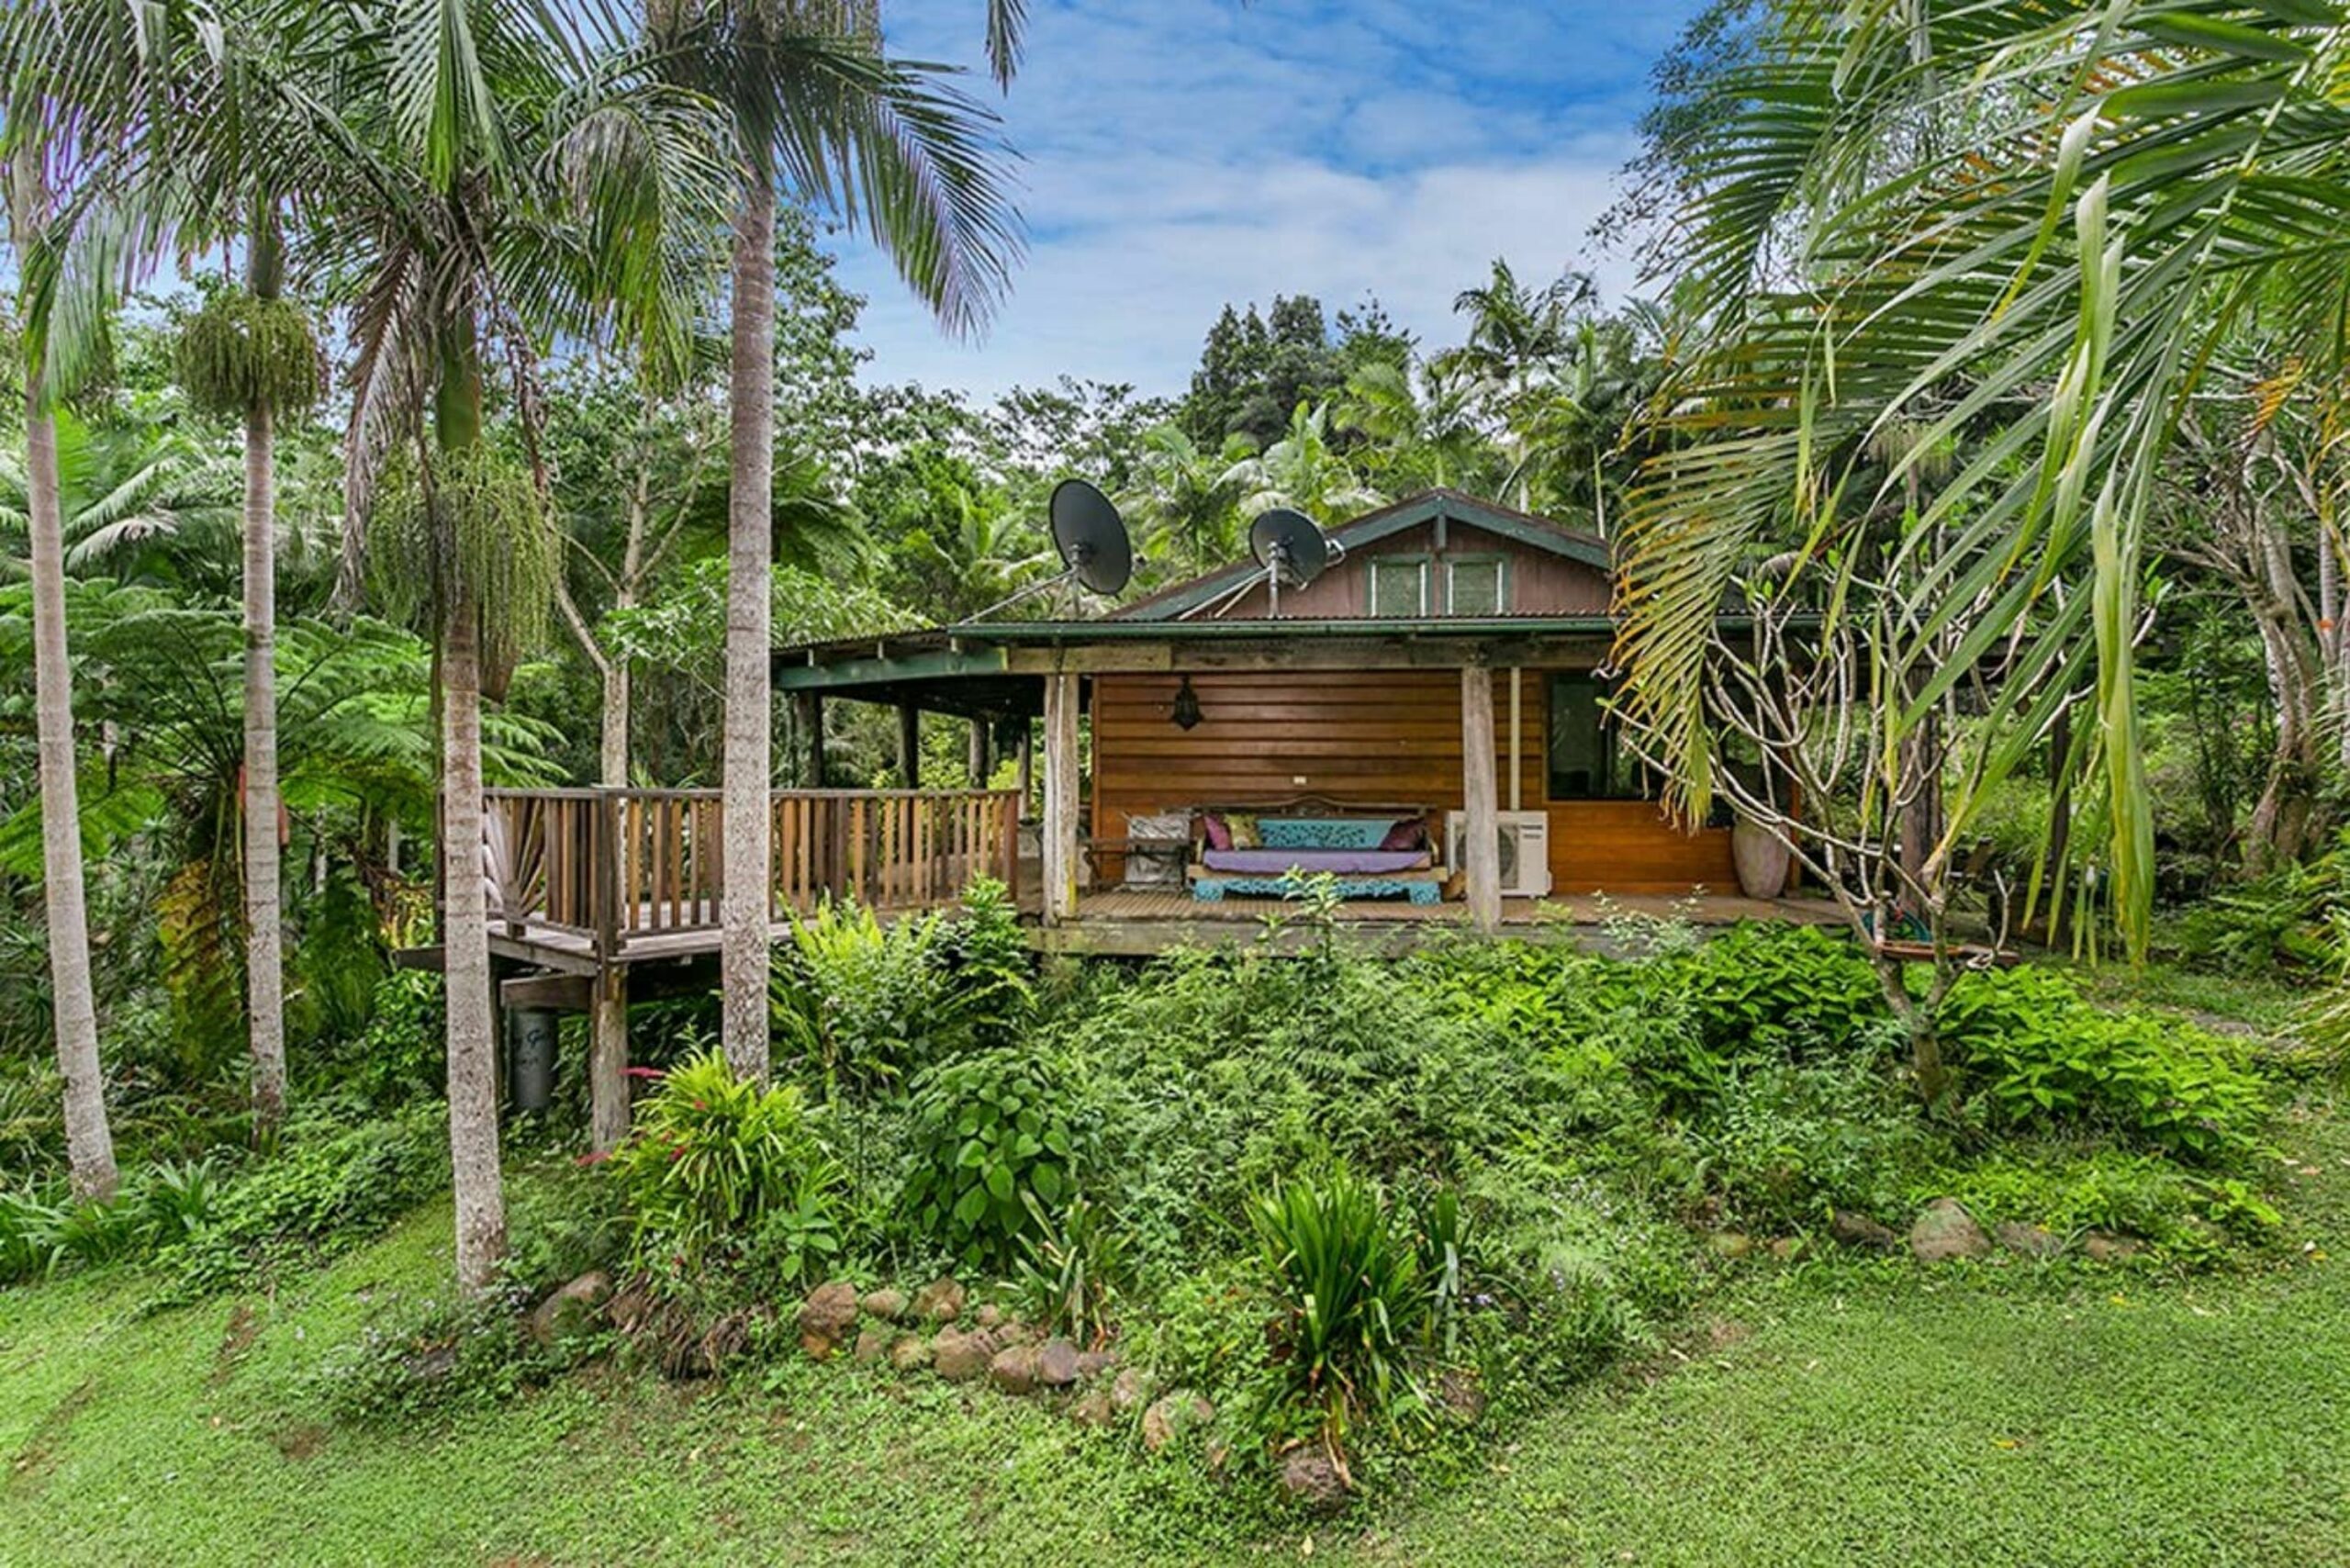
(1399, 585)
(1587, 760)
(1477, 585)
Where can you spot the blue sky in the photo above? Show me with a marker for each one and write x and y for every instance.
(1179, 153)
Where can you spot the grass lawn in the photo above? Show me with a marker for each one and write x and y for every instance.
(1823, 1413)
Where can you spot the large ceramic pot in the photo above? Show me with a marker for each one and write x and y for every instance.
(1761, 858)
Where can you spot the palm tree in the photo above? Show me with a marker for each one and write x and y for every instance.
(1432, 431)
(1303, 471)
(1514, 329)
(483, 181)
(182, 140)
(89, 1141)
(1180, 496)
(2052, 213)
(819, 115)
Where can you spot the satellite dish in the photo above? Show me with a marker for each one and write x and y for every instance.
(1293, 551)
(1287, 545)
(1091, 538)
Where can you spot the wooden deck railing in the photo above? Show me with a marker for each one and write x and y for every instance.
(612, 864)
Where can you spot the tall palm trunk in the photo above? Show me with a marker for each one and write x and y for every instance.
(749, 566)
(264, 916)
(89, 1143)
(265, 933)
(465, 922)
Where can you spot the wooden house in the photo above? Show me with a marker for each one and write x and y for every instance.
(1452, 663)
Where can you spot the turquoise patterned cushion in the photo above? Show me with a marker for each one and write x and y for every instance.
(1323, 832)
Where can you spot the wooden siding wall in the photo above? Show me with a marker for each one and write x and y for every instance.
(1388, 737)
(1539, 582)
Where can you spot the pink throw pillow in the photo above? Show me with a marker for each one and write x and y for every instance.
(1219, 836)
(1411, 833)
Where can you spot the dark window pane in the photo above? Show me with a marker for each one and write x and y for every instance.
(1586, 758)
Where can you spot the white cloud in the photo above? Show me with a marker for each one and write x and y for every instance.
(1182, 155)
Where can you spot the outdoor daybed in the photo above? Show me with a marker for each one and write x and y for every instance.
(1374, 852)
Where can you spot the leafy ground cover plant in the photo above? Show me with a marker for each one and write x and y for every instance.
(995, 1142)
(1072, 1269)
(2043, 1058)
(326, 1188)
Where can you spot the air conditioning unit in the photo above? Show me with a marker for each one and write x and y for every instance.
(1526, 850)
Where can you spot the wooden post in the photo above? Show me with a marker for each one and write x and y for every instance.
(1481, 848)
(910, 745)
(976, 758)
(1060, 797)
(1027, 763)
(811, 728)
(1517, 716)
(608, 1116)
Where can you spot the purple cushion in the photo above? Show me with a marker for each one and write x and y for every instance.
(1340, 862)
(1409, 833)
(1218, 836)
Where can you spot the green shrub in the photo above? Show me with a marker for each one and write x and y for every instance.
(177, 1201)
(1789, 1141)
(561, 1222)
(991, 973)
(1349, 1305)
(711, 1160)
(327, 1188)
(401, 1056)
(28, 1235)
(862, 1005)
(91, 1233)
(994, 1139)
(2039, 1056)
(1760, 989)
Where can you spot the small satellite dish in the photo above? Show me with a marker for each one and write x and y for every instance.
(1293, 551)
(1091, 538)
(1287, 545)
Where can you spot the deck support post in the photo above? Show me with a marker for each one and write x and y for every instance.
(608, 1112)
(978, 755)
(1481, 843)
(1027, 762)
(910, 745)
(812, 729)
(1060, 797)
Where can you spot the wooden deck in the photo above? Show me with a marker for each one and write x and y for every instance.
(593, 882)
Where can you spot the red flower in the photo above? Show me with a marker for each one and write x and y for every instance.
(595, 1158)
(653, 1072)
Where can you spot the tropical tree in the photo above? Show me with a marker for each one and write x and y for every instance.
(485, 179)
(1899, 213)
(820, 114)
(1303, 470)
(1515, 329)
(1181, 496)
(249, 354)
(89, 1140)
(1434, 432)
